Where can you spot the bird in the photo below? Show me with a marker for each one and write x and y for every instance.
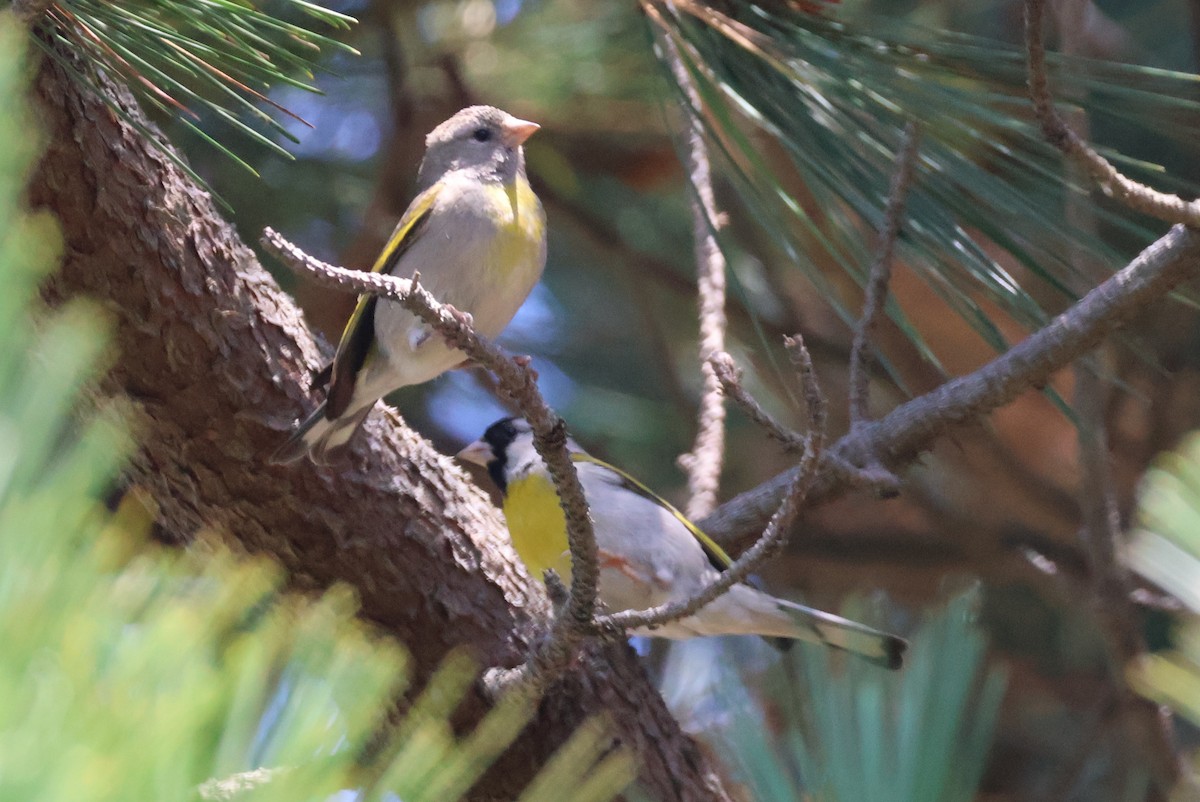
(476, 234)
(649, 553)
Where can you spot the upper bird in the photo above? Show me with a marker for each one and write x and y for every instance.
(476, 233)
(649, 553)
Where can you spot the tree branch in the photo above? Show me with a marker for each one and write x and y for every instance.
(1139, 197)
(880, 274)
(703, 462)
(217, 363)
(518, 382)
(728, 374)
(899, 437)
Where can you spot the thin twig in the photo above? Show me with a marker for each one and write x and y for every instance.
(728, 374)
(899, 437)
(875, 477)
(515, 380)
(703, 462)
(814, 400)
(774, 536)
(1135, 195)
(881, 273)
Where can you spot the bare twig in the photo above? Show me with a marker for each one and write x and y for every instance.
(728, 374)
(517, 381)
(881, 273)
(875, 477)
(814, 400)
(703, 462)
(897, 438)
(1136, 196)
(774, 536)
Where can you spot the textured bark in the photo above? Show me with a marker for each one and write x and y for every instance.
(217, 363)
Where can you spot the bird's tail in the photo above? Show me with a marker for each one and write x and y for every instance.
(842, 633)
(323, 439)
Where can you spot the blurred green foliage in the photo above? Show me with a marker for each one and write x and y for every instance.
(842, 729)
(130, 671)
(1166, 550)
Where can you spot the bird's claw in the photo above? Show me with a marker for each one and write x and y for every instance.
(464, 318)
(525, 362)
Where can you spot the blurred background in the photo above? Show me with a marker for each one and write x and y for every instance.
(995, 245)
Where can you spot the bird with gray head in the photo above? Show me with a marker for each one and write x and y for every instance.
(476, 233)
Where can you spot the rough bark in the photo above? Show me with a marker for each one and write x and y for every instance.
(217, 363)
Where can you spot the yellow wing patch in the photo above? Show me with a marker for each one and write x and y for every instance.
(358, 338)
(716, 554)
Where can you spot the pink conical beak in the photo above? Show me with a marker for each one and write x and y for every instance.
(514, 132)
(478, 452)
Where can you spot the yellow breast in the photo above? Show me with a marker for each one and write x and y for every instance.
(522, 231)
(537, 526)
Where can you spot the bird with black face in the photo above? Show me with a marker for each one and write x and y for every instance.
(649, 553)
(476, 233)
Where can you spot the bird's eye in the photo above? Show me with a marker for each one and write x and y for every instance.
(481, 134)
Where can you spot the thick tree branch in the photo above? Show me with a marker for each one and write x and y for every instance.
(516, 380)
(898, 438)
(217, 363)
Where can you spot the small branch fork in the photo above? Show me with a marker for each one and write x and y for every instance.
(517, 381)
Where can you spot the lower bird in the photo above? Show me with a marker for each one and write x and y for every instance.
(649, 553)
(476, 233)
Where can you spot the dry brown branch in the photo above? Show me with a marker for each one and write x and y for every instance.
(900, 436)
(880, 274)
(517, 381)
(1139, 197)
(774, 536)
(703, 462)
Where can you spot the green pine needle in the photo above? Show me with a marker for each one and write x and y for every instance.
(836, 95)
(192, 58)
